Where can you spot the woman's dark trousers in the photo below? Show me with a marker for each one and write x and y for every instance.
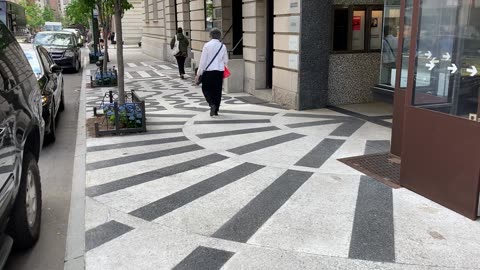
(212, 82)
(181, 64)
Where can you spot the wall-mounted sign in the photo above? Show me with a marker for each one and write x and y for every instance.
(293, 43)
(294, 24)
(357, 23)
(293, 61)
(294, 6)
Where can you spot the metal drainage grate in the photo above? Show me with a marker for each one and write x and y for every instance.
(383, 167)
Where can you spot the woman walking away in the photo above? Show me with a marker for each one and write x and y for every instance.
(179, 45)
(212, 65)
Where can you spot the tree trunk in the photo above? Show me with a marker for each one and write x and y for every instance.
(121, 71)
(106, 29)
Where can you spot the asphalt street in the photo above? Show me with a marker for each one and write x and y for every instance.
(56, 166)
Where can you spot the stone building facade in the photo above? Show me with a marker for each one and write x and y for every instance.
(281, 49)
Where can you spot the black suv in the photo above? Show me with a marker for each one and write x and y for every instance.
(63, 47)
(21, 138)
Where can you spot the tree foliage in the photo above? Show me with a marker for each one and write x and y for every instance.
(48, 15)
(79, 11)
(36, 16)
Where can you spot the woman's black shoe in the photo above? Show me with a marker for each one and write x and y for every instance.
(213, 109)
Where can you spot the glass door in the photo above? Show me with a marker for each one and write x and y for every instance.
(448, 57)
(389, 33)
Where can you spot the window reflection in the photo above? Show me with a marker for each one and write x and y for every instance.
(448, 60)
(209, 14)
(390, 42)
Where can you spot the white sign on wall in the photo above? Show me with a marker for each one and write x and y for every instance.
(293, 61)
(294, 24)
(293, 43)
(294, 6)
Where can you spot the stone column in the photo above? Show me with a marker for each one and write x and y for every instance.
(315, 46)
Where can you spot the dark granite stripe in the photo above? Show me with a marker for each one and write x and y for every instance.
(171, 115)
(6, 169)
(7, 154)
(248, 148)
(384, 117)
(164, 131)
(104, 233)
(348, 128)
(321, 116)
(185, 196)
(314, 123)
(166, 123)
(236, 132)
(375, 147)
(321, 153)
(142, 157)
(361, 116)
(151, 73)
(250, 218)
(247, 112)
(135, 74)
(238, 121)
(204, 258)
(136, 143)
(153, 175)
(251, 100)
(373, 235)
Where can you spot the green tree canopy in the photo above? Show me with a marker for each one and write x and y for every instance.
(34, 15)
(80, 11)
(48, 14)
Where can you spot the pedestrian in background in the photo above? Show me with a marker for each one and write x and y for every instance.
(212, 65)
(179, 45)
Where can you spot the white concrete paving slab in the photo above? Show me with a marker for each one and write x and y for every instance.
(292, 214)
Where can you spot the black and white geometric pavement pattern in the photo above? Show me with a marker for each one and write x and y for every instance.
(256, 188)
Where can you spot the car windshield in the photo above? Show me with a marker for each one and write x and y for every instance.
(34, 62)
(53, 39)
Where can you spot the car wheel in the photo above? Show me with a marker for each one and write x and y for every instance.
(77, 66)
(62, 101)
(51, 136)
(24, 226)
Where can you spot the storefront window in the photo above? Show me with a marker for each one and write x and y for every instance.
(209, 14)
(357, 29)
(448, 57)
(389, 43)
(376, 27)
(407, 38)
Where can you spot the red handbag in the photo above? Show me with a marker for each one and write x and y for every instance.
(226, 73)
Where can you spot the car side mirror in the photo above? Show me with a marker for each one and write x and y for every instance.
(55, 68)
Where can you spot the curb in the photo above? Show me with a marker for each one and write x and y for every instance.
(75, 243)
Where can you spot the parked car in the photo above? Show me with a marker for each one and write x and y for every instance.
(78, 35)
(62, 46)
(50, 79)
(21, 138)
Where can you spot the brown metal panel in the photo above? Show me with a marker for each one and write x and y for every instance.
(441, 159)
(398, 122)
(399, 94)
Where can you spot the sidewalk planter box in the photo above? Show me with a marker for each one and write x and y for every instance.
(103, 79)
(95, 57)
(121, 119)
